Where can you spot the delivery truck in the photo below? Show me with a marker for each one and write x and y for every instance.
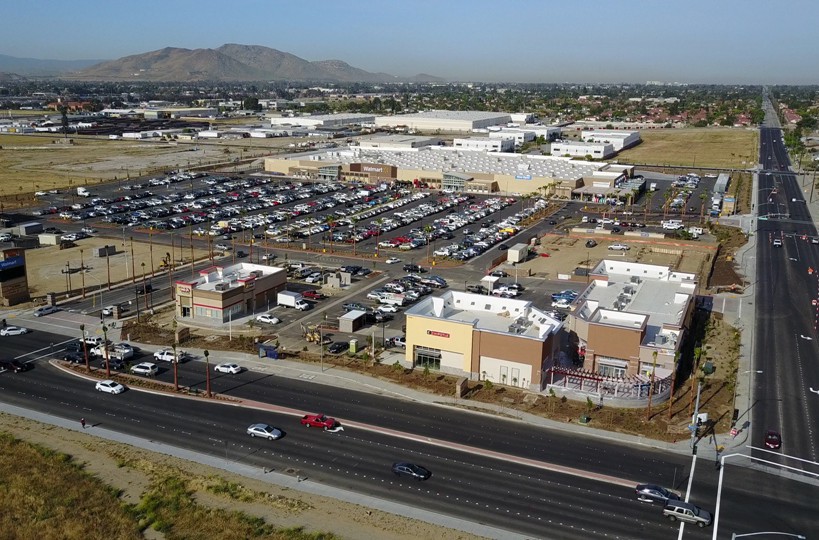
(292, 299)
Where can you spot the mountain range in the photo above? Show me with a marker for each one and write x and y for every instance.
(230, 62)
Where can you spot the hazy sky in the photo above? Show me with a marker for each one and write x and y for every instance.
(713, 41)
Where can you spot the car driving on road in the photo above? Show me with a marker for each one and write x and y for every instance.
(147, 369)
(654, 493)
(110, 387)
(13, 331)
(411, 470)
(45, 310)
(265, 431)
(233, 369)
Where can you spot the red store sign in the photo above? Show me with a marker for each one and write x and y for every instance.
(438, 334)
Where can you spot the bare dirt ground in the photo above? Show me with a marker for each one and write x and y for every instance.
(696, 147)
(132, 471)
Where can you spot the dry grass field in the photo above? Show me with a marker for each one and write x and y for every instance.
(696, 147)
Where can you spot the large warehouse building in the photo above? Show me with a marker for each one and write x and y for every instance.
(446, 121)
(323, 120)
(453, 168)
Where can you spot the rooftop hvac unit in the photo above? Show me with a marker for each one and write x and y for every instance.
(636, 279)
(222, 287)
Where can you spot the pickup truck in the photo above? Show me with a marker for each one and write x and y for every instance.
(166, 355)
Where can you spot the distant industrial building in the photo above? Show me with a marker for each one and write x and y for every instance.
(444, 121)
(323, 120)
(582, 149)
(486, 144)
(620, 140)
(519, 136)
(396, 142)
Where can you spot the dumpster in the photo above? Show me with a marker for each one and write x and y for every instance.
(268, 351)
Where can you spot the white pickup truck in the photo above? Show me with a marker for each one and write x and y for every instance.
(167, 355)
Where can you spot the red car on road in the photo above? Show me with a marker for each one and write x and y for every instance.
(313, 295)
(773, 440)
(318, 420)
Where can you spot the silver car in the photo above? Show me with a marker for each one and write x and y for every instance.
(264, 430)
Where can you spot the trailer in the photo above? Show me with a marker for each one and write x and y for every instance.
(517, 253)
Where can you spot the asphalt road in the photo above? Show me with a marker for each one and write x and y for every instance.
(787, 344)
(509, 493)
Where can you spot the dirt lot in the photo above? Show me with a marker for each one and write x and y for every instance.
(696, 147)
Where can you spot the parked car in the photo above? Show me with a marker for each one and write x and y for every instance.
(619, 247)
(266, 318)
(110, 387)
(319, 420)
(147, 369)
(410, 469)
(264, 430)
(167, 355)
(498, 273)
(115, 363)
(387, 308)
(591, 243)
(313, 295)
(400, 341)
(393, 260)
(477, 289)
(654, 493)
(353, 306)
(338, 347)
(233, 369)
(45, 310)
(74, 357)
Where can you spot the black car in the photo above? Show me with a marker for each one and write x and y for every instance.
(653, 493)
(116, 364)
(74, 357)
(338, 347)
(413, 268)
(144, 289)
(73, 346)
(14, 365)
(477, 289)
(353, 306)
(503, 247)
(591, 243)
(411, 470)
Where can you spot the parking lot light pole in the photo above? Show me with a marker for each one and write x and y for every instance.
(175, 371)
(85, 348)
(105, 350)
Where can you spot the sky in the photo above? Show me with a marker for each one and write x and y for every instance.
(551, 41)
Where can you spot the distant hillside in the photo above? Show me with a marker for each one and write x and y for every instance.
(33, 67)
(232, 62)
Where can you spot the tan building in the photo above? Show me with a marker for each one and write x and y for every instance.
(503, 340)
(631, 319)
(224, 293)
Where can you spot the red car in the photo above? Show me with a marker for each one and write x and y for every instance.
(318, 420)
(773, 440)
(313, 295)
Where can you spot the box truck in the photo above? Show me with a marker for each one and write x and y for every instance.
(292, 299)
(83, 192)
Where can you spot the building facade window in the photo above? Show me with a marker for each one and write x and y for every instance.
(428, 357)
(611, 367)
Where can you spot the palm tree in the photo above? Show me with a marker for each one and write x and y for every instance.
(353, 221)
(649, 196)
(378, 222)
(668, 196)
(330, 222)
(633, 197)
(673, 382)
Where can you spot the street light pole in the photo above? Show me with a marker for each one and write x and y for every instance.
(736, 385)
(207, 373)
(85, 348)
(105, 349)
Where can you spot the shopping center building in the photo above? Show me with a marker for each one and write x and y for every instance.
(502, 340)
(223, 293)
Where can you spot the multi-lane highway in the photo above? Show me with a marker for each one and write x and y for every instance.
(524, 491)
(787, 289)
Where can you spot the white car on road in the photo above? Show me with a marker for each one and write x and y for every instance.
(228, 368)
(393, 260)
(45, 310)
(13, 331)
(145, 368)
(110, 387)
(267, 319)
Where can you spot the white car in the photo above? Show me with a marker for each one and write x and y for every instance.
(776, 243)
(264, 430)
(145, 368)
(13, 331)
(387, 308)
(228, 368)
(619, 247)
(166, 355)
(109, 386)
(563, 303)
(400, 341)
(393, 260)
(315, 277)
(6, 237)
(108, 311)
(267, 319)
(45, 310)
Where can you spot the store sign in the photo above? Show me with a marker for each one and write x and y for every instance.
(183, 289)
(370, 168)
(437, 334)
(12, 262)
(523, 177)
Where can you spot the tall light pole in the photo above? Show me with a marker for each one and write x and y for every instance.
(207, 372)
(175, 372)
(105, 349)
(144, 287)
(85, 348)
(82, 274)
